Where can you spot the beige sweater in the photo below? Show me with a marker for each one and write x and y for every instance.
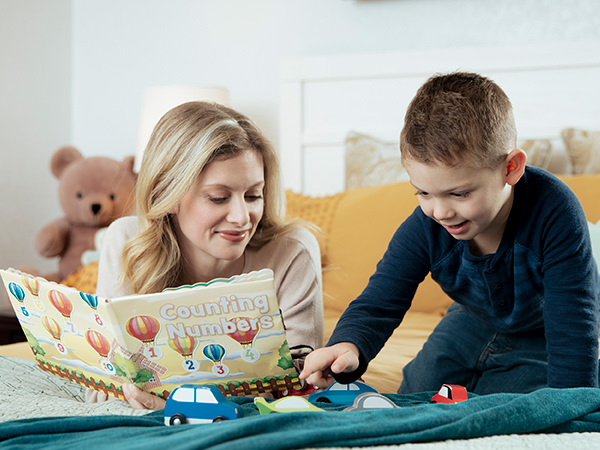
(294, 258)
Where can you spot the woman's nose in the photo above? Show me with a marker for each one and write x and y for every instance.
(238, 211)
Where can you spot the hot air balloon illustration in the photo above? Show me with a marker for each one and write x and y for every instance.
(214, 352)
(90, 299)
(98, 342)
(61, 303)
(32, 284)
(184, 346)
(245, 338)
(17, 291)
(144, 328)
(52, 327)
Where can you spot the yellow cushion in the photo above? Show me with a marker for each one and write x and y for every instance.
(357, 226)
(587, 189)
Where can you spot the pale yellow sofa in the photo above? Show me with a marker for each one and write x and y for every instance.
(356, 226)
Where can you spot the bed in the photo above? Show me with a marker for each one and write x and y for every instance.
(338, 114)
(326, 100)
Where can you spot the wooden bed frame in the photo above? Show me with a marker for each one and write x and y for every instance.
(552, 86)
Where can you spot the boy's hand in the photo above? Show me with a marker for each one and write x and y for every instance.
(342, 357)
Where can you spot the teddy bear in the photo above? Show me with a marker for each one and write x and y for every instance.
(92, 192)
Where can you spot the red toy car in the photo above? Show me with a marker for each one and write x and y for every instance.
(450, 393)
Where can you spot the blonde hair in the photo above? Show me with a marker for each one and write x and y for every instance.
(459, 118)
(185, 140)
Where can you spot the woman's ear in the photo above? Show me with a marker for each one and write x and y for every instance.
(515, 166)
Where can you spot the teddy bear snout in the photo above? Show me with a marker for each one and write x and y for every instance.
(96, 207)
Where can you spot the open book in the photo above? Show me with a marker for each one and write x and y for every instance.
(227, 332)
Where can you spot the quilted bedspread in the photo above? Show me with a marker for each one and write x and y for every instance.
(417, 420)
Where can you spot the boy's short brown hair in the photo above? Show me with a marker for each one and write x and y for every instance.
(459, 119)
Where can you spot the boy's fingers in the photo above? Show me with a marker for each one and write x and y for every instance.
(346, 362)
(317, 379)
(317, 361)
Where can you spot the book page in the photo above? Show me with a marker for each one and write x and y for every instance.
(225, 332)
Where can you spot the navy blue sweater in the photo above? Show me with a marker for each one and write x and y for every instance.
(543, 276)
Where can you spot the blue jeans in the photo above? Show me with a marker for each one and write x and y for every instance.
(463, 350)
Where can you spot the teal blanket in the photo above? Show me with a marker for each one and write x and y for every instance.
(544, 411)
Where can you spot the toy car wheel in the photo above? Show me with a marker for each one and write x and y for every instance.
(219, 419)
(177, 419)
(323, 400)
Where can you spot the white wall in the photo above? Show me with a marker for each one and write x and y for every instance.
(121, 47)
(35, 119)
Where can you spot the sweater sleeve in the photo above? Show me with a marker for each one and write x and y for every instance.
(109, 266)
(373, 316)
(570, 282)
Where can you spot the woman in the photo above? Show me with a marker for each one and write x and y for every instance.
(209, 205)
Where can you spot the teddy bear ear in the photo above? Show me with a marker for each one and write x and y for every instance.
(62, 158)
(128, 164)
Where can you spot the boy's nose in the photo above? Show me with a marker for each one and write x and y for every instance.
(442, 211)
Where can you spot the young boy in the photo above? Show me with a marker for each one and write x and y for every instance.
(508, 243)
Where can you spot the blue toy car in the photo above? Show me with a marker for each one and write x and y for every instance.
(195, 403)
(340, 393)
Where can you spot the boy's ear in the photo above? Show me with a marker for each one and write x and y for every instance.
(515, 166)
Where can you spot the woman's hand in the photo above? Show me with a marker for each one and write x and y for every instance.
(139, 399)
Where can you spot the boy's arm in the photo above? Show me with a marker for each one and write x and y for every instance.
(373, 316)
(571, 290)
(571, 314)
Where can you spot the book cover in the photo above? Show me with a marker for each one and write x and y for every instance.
(227, 332)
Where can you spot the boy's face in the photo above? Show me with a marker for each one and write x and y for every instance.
(471, 204)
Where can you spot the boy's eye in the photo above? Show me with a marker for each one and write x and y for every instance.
(460, 194)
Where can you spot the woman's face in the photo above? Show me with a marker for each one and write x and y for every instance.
(218, 216)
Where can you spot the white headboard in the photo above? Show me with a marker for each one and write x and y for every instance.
(323, 98)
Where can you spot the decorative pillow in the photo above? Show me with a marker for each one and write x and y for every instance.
(318, 211)
(549, 154)
(595, 237)
(583, 148)
(372, 162)
(539, 152)
(84, 279)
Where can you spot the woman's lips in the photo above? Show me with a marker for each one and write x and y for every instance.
(233, 236)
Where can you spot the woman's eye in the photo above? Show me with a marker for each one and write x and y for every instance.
(253, 198)
(218, 200)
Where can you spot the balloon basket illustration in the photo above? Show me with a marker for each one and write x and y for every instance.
(245, 332)
(216, 353)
